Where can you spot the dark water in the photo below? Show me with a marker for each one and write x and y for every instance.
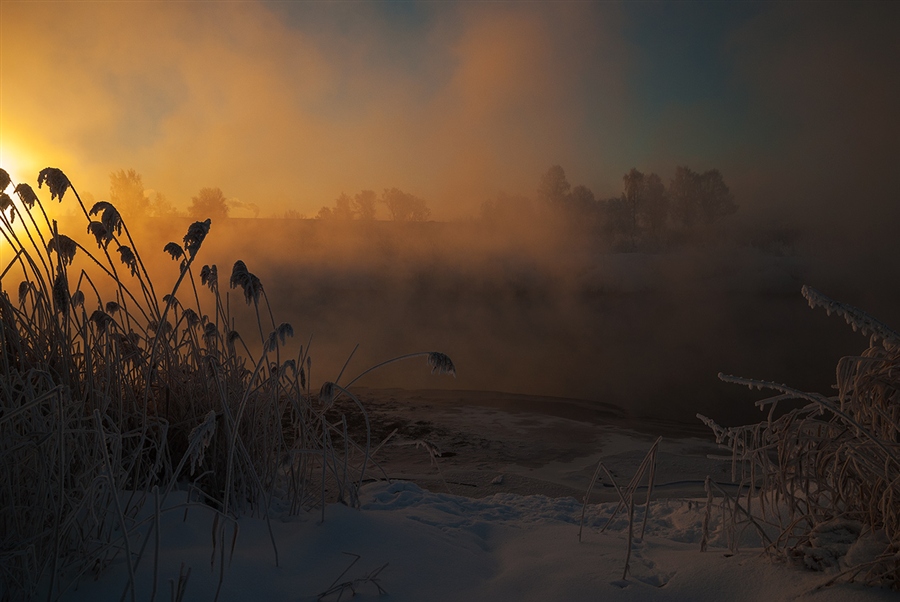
(539, 316)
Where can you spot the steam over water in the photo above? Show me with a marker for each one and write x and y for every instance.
(538, 313)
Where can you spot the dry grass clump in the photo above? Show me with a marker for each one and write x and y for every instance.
(827, 473)
(107, 405)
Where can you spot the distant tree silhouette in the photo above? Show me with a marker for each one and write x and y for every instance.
(581, 198)
(618, 221)
(716, 200)
(361, 206)
(634, 195)
(364, 204)
(126, 193)
(554, 188)
(683, 191)
(654, 213)
(404, 207)
(160, 206)
(505, 209)
(641, 214)
(209, 203)
(700, 198)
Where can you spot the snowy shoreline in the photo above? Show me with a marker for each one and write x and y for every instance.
(507, 530)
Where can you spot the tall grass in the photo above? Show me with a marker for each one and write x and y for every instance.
(826, 474)
(107, 404)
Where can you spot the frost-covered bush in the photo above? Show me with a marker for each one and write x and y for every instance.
(827, 473)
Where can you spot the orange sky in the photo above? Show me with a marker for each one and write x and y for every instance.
(286, 105)
(229, 95)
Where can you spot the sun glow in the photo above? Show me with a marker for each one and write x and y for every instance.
(18, 162)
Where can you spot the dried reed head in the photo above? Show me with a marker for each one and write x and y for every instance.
(326, 394)
(24, 287)
(4, 179)
(61, 293)
(248, 282)
(128, 258)
(191, 317)
(6, 203)
(109, 217)
(441, 364)
(26, 195)
(195, 235)
(174, 250)
(56, 181)
(101, 320)
(101, 234)
(209, 276)
(64, 246)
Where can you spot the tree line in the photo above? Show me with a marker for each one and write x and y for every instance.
(128, 195)
(645, 214)
(401, 206)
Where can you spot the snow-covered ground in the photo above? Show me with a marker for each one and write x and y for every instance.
(496, 543)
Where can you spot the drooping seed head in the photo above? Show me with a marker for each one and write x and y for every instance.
(326, 394)
(441, 364)
(26, 195)
(109, 216)
(61, 293)
(233, 335)
(209, 276)
(191, 317)
(174, 250)
(101, 320)
(6, 203)
(78, 299)
(4, 179)
(101, 234)
(128, 258)
(112, 307)
(64, 246)
(248, 282)
(24, 287)
(56, 181)
(195, 235)
(284, 331)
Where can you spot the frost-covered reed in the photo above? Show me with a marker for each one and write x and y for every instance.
(107, 405)
(826, 474)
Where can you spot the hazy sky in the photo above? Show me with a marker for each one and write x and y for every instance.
(287, 104)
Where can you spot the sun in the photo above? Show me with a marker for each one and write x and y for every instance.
(17, 161)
